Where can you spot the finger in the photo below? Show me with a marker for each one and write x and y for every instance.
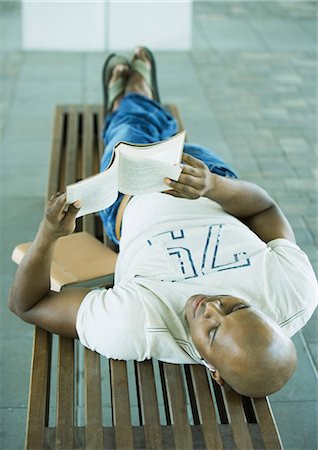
(184, 180)
(77, 204)
(57, 194)
(60, 203)
(170, 191)
(173, 193)
(185, 190)
(56, 206)
(190, 180)
(169, 182)
(70, 215)
(190, 170)
(195, 162)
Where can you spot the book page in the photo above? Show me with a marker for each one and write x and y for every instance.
(143, 176)
(169, 151)
(143, 167)
(96, 192)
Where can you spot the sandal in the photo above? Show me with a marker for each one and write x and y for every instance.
(118, 88)
(150, 76)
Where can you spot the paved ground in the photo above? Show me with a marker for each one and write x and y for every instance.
(247, 89)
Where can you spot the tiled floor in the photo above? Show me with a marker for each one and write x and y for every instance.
(246, 89)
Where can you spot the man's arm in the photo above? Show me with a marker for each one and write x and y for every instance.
(248, 202)
(30, 295)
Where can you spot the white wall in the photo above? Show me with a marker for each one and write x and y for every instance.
(157, 24)
(83, 25)
(63, 25)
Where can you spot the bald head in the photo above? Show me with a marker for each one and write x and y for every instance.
(243, 347)
(260, 357)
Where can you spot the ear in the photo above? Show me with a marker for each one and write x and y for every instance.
(215, 374)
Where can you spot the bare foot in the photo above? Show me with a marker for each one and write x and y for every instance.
(136, 82)
(119, 71)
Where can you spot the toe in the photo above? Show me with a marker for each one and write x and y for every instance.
(121, 70)
(140, 53)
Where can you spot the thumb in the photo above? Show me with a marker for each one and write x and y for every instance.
(71, 212)
(77, 204)
(74, 208)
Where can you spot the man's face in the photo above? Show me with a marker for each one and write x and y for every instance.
(240, 344)
(214, 323)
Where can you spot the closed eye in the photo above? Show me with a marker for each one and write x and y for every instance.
(239, 306)
(236, 307)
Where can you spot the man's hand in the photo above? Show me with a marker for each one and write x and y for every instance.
(246, 201)
(60, 218)
(195, 180)
(30, 300)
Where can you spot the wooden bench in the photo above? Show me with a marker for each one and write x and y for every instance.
(79, 400)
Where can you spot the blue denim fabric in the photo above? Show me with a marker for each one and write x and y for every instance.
(141, 120)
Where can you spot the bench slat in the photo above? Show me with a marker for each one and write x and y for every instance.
(150, 410)
(71, 147)
(100, 126)
(56, 153)
(87, 159)
(93, 405)
(88, 142)
(178, 408)
(65, 394)
(267, 424)
(120, 403)
(39, 389)
(205, 404)
(239, 425)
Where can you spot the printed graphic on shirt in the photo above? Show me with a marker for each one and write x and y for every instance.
(212, 259)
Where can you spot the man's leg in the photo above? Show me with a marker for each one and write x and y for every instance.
(136, 118)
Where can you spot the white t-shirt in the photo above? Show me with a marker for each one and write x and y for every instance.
(173, 248)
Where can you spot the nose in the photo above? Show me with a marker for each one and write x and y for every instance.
(213, 309)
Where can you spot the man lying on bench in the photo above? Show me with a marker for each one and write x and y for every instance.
(208, 272)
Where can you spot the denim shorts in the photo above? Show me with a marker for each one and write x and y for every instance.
(141, 120)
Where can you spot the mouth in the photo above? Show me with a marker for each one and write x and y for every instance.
(197, 302)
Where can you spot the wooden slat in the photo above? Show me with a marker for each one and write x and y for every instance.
(42, 344)
(65, 395)
(87, 159)
(211, 433)
(220, 403)
(97, 141)
(56, 153)
(248, 409)
(100, 130)
(39, 389)
(120, 403)
(88, 142)
(192, 397)
(164, 393)
(177, 402)
(93, 403)
(150, 410)
(267, 424)
(239, 425)
(71, 148)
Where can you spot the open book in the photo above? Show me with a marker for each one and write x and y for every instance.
(134, 169)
